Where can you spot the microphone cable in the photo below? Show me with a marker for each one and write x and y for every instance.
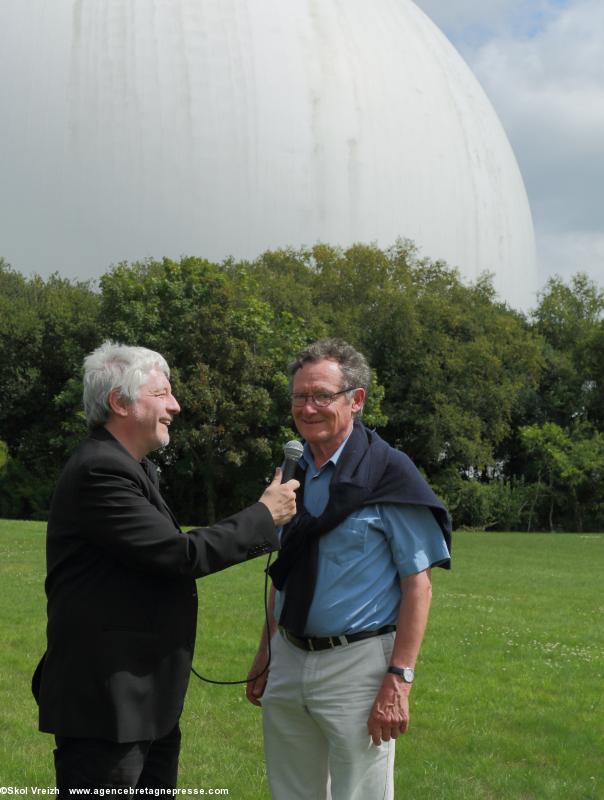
(293, 452)
(268, 637)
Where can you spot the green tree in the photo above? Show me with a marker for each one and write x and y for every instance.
(570, 471)
(46, 327)
(569, 319)
(505, 415)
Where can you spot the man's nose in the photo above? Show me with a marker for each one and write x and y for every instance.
(172, 405)
(309, 405)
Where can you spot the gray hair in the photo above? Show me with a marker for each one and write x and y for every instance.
(353, 365)
(116, 366)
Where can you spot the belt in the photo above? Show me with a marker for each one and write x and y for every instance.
(327, 642)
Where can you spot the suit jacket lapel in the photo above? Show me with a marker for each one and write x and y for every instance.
(150, 471)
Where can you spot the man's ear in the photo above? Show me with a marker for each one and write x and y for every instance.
(117, 403)
(358, 400)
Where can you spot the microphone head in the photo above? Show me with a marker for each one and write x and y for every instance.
(293, 450)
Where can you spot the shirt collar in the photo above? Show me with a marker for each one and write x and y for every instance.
(307, 456)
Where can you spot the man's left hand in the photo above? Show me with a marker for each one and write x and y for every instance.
(389, 716)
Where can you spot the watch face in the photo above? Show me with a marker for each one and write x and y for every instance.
(408, 675)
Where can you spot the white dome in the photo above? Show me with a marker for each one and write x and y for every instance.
(136, 128)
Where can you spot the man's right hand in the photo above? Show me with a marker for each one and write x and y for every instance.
(280, 499)
(257, 678)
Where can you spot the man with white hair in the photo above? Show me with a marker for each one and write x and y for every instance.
(122, 601)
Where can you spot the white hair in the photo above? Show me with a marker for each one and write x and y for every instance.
(116, 366)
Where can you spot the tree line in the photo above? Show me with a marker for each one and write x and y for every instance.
(502, 411)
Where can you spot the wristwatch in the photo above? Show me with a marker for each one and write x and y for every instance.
(406, 673)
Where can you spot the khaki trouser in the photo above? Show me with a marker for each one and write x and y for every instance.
(315, 711)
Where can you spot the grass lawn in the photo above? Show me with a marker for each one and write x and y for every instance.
(507, 702)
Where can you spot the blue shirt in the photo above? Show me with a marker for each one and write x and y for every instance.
(362, 560)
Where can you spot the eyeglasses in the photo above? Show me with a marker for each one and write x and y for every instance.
(321, 399)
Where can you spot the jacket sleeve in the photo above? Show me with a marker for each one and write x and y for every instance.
(114, 513)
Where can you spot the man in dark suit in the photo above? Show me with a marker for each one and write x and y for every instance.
(122, 601)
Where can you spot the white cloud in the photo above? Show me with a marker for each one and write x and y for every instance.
(468, 22)
(549, 92)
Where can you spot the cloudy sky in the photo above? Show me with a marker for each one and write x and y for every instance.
(541, 62)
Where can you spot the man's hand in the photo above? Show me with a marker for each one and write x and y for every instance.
(389, 716)
(280, 499)
(255, 688)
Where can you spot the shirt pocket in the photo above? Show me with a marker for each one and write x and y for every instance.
(346, 543)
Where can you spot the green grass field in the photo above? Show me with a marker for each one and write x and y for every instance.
(507, 702)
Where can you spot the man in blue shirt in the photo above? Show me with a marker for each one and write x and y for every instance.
(351, 594)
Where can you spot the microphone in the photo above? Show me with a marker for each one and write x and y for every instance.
(293, 452)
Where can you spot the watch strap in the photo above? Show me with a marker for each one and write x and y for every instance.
(406, 673)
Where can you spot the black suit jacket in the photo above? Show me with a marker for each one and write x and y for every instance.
(122, 601)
